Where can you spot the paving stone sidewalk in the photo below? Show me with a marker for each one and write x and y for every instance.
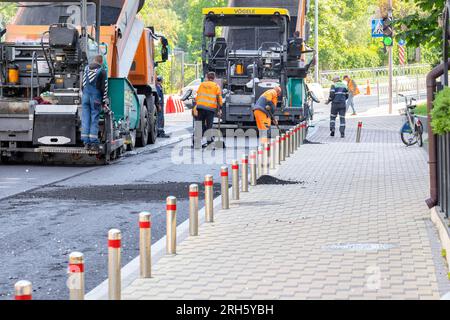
(356, 227)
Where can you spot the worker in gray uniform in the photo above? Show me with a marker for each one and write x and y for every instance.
(338, 98)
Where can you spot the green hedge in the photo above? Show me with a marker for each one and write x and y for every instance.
(440, 115)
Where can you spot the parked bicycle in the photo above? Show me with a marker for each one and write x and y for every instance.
(412, 130)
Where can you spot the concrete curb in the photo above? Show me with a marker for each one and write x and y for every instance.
(443, 231)
(130, 271)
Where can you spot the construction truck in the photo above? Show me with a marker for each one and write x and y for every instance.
(43, 54)
(253, 49)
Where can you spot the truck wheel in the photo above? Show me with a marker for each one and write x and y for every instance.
(153, 128)
(145, 127)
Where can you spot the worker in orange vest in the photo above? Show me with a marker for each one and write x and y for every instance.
(352, 92)
(208, 104)
(264, 109)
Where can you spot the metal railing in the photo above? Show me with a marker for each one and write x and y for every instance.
(374, 74)
(443, 174)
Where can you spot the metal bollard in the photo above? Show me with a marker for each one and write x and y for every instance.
(277, 150)
(288, 143)
(244, 173)
(272, 154)
(23, 290)
(303, 135)
(76, 276)
(114, 277)
(209, 194)
(235, 179)
(299, 135)
(266, 151)
(145, 244)
(193, 210)
(260, 161)
(358, 132)
(253, 167)
(224, 188)
(292, 141)
(171, 225)
(283, 147)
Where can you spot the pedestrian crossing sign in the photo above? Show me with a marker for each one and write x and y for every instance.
(377, 28)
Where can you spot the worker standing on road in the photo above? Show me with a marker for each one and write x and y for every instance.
(208, 104)
(353, 92)
(160, 107)
(95, 96)
(338, 98)
(263, 111)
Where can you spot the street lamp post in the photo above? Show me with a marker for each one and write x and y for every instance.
(316, 39)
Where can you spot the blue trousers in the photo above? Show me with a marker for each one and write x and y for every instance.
(91, 108)
(160, 120)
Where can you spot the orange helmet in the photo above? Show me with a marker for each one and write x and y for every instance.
(278, 90)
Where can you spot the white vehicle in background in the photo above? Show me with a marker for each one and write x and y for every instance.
(193, 86)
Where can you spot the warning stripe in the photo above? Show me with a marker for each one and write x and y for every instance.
(23, 297)
(224, 174)
(235, 167)
(193, 194)
(76, 267)
(244, 161)
(115, 244)
(171, 207)
(145, 224)
(208, 183)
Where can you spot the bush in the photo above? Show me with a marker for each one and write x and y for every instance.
(440, 115)
(421, 109)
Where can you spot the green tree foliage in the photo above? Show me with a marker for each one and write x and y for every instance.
(7, 12)
(421, 27)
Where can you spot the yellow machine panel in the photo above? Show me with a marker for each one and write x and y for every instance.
(245, 11)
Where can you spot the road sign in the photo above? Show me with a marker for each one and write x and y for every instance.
(377, 28)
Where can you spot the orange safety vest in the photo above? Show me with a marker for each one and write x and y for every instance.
(271, 95)
(209, 96)
(353, 88)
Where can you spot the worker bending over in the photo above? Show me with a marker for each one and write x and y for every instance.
(95, 96)
(208, 104)
(263, 111)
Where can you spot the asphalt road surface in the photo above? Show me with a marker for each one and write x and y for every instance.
(46, 212)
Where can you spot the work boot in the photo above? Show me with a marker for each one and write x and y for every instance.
(354, 114)
(332, 134)
(163, 135)
(342, 135)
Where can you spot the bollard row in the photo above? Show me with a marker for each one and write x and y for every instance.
(259, 162)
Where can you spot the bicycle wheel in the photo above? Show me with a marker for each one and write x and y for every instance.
(407, 135)
(419, 130)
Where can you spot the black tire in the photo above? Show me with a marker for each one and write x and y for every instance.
(419, 135)
(145, 127)
(153, 127)
(406, 141)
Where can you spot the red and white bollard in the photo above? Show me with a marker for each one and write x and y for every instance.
(171, 225)
(235, 179)
(260, 161)
(283, 147)
(23, 290)
(145, 244)
(76, 276)
(244, 173)
(114, 277)
(358, 132)
(209, 198)
(224, 188)
(253, 165)
(277, 150)
(272, 154)
(266, 157)
(193, 210)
